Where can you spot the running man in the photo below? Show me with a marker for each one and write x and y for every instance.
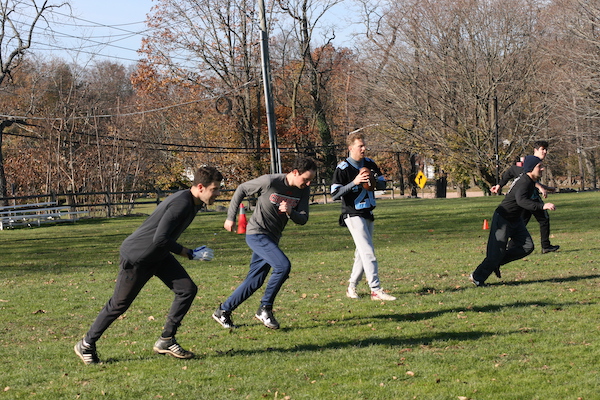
(149, 252)
(281, 198)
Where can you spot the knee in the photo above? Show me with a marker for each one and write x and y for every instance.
(188, 289)
(528, 247)
(284, 268)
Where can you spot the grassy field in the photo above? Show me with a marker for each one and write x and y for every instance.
(535, 334)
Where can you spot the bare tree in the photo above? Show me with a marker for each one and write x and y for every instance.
(212, 45)
(575, 54)
(436, 69)
(18, 20)
(306, 15)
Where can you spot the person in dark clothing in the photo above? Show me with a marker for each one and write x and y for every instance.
(149, 252)
(281, 198)
(507, 223)
(540, 150)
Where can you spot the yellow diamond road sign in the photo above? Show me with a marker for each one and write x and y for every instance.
(421, 179)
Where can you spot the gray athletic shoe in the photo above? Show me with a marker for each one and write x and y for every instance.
(224, 318)
(87, 353)
(171, 347)
(265, 315)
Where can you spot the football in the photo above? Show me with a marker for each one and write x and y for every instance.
(370, 185)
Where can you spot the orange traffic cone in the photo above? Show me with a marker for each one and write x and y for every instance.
(485, 224)
(242, 222)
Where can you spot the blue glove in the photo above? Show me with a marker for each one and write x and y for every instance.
(202, 253)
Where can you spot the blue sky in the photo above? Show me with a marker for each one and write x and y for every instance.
(113, 29)
(110, 29)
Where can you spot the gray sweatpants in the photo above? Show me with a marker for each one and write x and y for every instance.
(365, 261)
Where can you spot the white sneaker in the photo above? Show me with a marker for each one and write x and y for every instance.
(379, 294)
(351, 292)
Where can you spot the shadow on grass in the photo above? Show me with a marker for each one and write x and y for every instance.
(424, 340)
(431, 290)
(548, 280)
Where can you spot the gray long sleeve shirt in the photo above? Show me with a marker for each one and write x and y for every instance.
(266, 219)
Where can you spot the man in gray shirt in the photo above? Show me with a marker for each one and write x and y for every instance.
(281, 197)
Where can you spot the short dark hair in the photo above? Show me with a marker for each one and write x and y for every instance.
(540, 143)
(354, 136)
(303, 164)
(207, 175)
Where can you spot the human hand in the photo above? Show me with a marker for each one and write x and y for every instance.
(495, 189)
(549, 206)
(364, 175)
(229, 225)
(284, 207)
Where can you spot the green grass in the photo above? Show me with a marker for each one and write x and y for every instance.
(535, 334)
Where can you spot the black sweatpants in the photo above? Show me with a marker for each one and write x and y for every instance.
(130, 281)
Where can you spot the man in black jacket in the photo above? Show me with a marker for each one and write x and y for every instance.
(540, 150)
(149, 252)
(507, 223)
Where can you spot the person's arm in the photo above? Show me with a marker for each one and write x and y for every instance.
(245, 189)
(299, 214)
(175, 215)
(523, 195)
(339, 188)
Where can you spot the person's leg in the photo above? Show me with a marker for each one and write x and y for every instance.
(259, 269)
(496, 247)
(361, 230)
(172, 273)
(520, 245)
(130, 280)
(281, 266)
(543, 218)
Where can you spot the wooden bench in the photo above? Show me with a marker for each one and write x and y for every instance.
(36, 214)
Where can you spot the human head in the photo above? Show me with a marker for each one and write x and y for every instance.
(540, 149)
(207, 181)
(304, 170)
(356, 146)
(530, 163)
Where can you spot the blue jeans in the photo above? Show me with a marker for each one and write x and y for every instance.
(500, 250)
(266, 256)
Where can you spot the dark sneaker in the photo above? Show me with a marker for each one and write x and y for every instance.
(497, 272)
(171, 347)
(475, 282)
(550, 249)
(224, 318)
(87, 353)
(265, 315)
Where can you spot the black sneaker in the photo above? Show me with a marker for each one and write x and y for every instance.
(476, 282)
(87, 353)
(265, 315)
(550, 249)
(171, 347)
(224, 318)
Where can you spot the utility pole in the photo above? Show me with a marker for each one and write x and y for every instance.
(497, 156)
(266, 73)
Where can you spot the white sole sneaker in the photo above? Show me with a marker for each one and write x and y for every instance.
(351, 293)
(379, 295)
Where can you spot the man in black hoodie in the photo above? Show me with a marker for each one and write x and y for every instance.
(540, 149)
(149, 251)
(508, 223)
